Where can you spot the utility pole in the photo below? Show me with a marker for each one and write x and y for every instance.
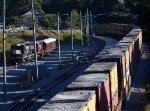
(91, 22)
(87, 28)
(34, 36)
(81, 34)
(72, 48)
(58, 34)
(91, 27)
(4, 50)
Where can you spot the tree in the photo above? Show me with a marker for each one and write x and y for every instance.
(75, 19)
(13, 21)
(49, 21)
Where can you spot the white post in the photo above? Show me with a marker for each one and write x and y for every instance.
(87, 28)
(4, 50)
(16, 65)
(72, 48)
(91, 20)
(58, 34)
(91, 27)
(81, 28)
(34, 35)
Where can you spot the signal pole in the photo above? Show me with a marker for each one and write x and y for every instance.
(34, 36)
(58, 34)
(72, 48)
(4, 50)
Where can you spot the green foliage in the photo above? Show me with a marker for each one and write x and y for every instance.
(148, 89)
(142, 8)
(14, 6)
(75, 20)
(9, 42)
(14, 20)
(118, 7)
(147, 107)
(18, 7)
(49, 7)
(62, 6)
(138, 6)
(118, 17)
(49, 21)
(16, 37)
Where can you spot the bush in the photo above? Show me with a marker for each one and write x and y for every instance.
(147, 107)
(148, 89)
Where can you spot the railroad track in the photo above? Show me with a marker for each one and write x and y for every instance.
(25, 103)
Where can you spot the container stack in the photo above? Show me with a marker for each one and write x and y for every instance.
(71, 101)
(100, 84)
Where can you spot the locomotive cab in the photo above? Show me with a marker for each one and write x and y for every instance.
(17, 51)
(21, 52)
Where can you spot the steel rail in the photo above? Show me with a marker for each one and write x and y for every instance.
(25, 103)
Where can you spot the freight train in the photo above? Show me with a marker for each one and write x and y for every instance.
(110, 75)
(22, 52)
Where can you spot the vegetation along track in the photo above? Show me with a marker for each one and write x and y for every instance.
(25, 103)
